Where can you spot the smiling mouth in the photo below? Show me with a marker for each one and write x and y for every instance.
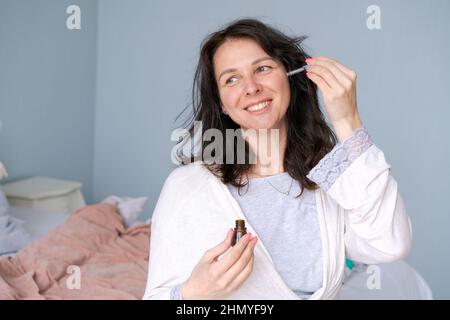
(259, 106)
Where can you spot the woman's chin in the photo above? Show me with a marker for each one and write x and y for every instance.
(261, 125)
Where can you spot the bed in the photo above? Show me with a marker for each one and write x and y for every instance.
(92, 254)
(37, 222)
(94, 245)
(398, 280)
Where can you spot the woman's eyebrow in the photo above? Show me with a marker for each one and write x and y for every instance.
(253, 63)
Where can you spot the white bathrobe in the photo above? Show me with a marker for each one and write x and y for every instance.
(362, 217)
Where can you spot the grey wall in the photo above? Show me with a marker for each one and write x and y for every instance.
(146, 57)
(47, 90)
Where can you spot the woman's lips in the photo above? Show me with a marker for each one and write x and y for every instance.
(260, 108)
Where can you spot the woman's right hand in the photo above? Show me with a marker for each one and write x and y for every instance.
(214, 278)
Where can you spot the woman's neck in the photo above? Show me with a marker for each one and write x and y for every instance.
(270, 146)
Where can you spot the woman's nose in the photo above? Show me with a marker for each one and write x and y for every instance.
(252, 87)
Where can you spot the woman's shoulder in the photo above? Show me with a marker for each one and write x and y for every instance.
(189, 174)
(185, 184)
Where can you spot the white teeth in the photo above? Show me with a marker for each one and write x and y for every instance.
(258, 106)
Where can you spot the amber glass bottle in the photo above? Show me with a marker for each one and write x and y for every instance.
(239, 231)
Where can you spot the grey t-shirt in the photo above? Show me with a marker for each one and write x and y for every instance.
(288, 227)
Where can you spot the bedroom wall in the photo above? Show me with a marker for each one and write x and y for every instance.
(47, 90)
(147, 52)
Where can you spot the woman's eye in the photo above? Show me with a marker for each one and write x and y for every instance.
(234, 79)
(230, 80)
(264, 68)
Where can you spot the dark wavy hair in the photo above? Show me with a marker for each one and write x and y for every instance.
(309, 137)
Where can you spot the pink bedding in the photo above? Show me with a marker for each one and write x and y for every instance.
(110, 260)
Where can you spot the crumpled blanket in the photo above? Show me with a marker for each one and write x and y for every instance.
(91, 256)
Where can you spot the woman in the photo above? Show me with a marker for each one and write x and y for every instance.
(313, 201)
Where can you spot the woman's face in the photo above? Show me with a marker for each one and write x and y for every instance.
(253, 87)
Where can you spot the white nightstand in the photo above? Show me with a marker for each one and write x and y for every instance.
(51, 195)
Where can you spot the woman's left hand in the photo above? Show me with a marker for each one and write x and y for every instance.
(338, 86)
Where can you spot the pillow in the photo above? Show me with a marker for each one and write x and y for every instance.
(13, 235)
(129, 208)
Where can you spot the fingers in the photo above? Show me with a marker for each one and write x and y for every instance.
(234, 254)
(325, 73)
(243, 275)
(329, 75)
(320, 82)
(212, 254)
(237, 268)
